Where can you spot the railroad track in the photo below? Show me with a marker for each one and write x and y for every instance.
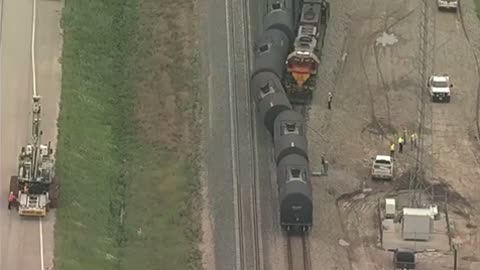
(248, 234)
(298, 252)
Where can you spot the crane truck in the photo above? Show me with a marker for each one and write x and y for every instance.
(34, 186)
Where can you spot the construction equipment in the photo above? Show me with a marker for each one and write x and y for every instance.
(302, 62)
(34, 184)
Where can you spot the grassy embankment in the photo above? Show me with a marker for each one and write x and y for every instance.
(128, 180)
(477, 7)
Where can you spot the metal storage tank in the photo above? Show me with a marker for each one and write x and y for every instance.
(417, 224)
(271, 106)
(290, 144)
(265, 83)
(280, 16)
(295, 191)
(288, 120)
(271, 52)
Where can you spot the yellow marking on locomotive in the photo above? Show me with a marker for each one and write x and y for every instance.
(300, 78)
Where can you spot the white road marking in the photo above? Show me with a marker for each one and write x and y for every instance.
(34, 23)
(42, 262)
(34, 86)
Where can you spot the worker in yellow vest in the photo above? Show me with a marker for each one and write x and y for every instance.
(392, 149)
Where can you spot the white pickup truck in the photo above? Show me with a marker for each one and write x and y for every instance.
(440, 88)
(382, 167)
(447, 4)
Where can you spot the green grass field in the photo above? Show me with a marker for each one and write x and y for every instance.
(477, 7)
(126, 198)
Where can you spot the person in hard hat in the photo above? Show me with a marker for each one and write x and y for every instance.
(413, 140)
(392, 149)
(11, 200)
(400, 144)
(325, 166)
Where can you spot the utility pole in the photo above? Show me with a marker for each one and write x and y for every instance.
(425, 64)
(455, 258)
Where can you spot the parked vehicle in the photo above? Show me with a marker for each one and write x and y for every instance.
(451, 5)
(382, 167)
(440, 88)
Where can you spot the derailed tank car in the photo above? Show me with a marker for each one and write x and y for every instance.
(290, 135)
(270, 97)
(265, 83)
(295, 193)
(281, 17)
(286, 126)
(271, 106)
(271, 52)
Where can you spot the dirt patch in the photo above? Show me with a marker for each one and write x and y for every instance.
(166, 88)
(167, 112)
(380, 127)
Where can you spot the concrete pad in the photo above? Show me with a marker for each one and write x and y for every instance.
(392, 237)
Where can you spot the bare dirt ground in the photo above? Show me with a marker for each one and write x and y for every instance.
(454, 130)
(375, 85)
(375, 97)
(168, 110)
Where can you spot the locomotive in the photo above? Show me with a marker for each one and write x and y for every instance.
(279, 57)
(303, 61)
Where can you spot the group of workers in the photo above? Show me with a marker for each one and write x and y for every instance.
(402, 140)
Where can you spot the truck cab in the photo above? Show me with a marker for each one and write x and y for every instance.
(439, 88)
(447, 5)
(382, 167)
(403, 258)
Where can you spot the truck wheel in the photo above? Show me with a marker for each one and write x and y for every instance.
(53, 192)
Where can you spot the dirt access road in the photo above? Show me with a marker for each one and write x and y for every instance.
(376, 85)
(455, 149)
(375, 95)
(27, 243)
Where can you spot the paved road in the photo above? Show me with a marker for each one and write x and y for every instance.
(20, 238)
